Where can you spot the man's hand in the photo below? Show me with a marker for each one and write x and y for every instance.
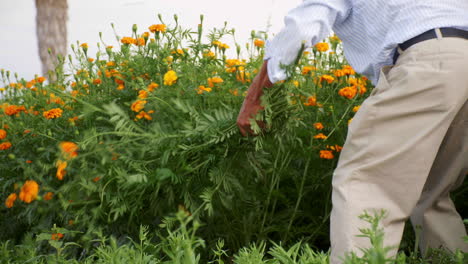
(251, 104)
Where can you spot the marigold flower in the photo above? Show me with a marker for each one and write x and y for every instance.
(10, 201)
(213, 81)
(69, 149)
(348, 92)
(259, 43)
(145, 115)
(5, 145)
(356, 108)
(41, 79)
(170, 78)
(329, 79)
(140, 42)
(29, 161)
(96, 179)
(61, 172)
(57, 236)
(138, 105)
(336, 148)
(53, 113)
(29, 191)
(97, 81)
(145, 35)
(152, 86)
(348, 70)
(142, 94)
(322, 46)
(307, 69)
(3, 134)
(48, 196)
(320, 136)
(318, 126)
(202, 89)
(311, 101)
(326, 154)
(157, 28)
(13, 109)
(120, 87)
(128, 40)
(84, 45)
(209, 54)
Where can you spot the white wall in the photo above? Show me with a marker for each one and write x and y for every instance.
(18, 43)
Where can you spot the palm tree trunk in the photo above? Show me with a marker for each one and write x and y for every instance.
(51, 30)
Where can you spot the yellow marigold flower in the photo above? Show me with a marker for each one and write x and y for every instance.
(152, 86)
(29, 191)
(326, 154)
(356, 108)
(348, 92)
(5, 145)
(234, 62)
(3, 134)
(138, 105)
(349, 121)
(320, 136)
(170, 78)
(120, 87)
(322, 46)
(48, 196)
(329, 79)
(209, 54)
(56, 236)
(215, 80)
(335, 38)
(157, 28)
(128, 40)
(10, 201)
(145, 35)
(295, 83)
(311, 101)
(68, 149)
(84, 45)
(61, 172)
(53, 113)
(318, 126)
(259, 43)
(178, 51)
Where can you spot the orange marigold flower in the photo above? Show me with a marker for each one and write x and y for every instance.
(120, 87)
(157, 28)
(10, 201)
(145, 35)
(348, 92)
(142, 94)
(348, 70)
(328, 78)
(170, 78)
(259, 43)
(145, 115)
(61, 172)
(13, 109)
(138, 105)
(356, 108)
(3, 134)
(307, 69)
(152, 86)
(53, 113)
(29, 161)
(84, 45)
(320, 136)
(96, 179)
(48, 196)
(29, 191)
(57, 236)
(69, 149)
(97, 81)
(128, 40)
(213, 81)
(326, 154)
(5, 145)
(41, 79)
(209, 54)
(322, 46)
(140, 42)
(311, 101)
(318, 126)
(202, 89)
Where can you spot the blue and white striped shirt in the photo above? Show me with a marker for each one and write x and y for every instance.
(370, 29)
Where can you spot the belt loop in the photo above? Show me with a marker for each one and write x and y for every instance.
(438, 33)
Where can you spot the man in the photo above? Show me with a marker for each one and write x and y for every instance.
(407, 146)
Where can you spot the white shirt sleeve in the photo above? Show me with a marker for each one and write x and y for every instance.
(308, 23)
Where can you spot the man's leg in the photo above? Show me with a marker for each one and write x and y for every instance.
(435, 213)
(394, 139)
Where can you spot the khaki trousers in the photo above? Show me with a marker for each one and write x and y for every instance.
(406, 150)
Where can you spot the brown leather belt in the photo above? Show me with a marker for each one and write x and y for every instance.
(431, 34)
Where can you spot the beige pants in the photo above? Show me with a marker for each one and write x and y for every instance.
(406, 149)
